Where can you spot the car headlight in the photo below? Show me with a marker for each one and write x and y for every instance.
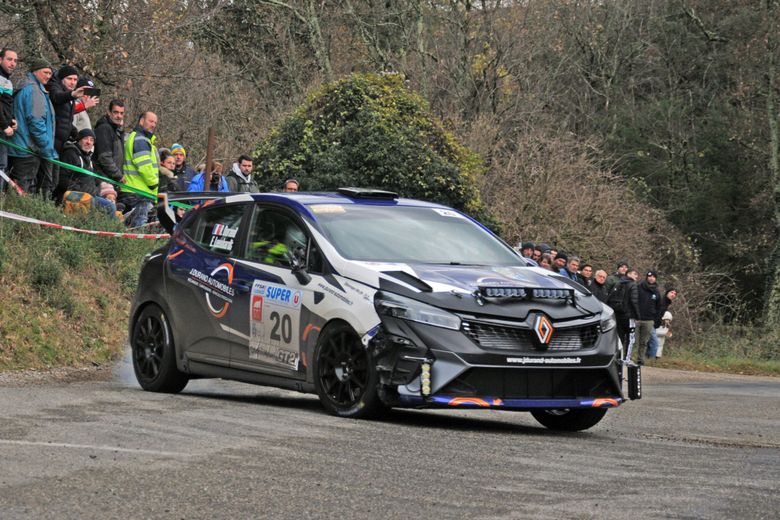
(608, 321)
(387, 304)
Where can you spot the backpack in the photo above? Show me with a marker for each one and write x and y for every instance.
(617, 298)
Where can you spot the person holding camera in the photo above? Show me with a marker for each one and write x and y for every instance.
(216, 181)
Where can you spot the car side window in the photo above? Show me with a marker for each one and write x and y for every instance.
(216, 229)
(274, 237)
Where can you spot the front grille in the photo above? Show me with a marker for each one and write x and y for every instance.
(537, 383)
(499, 337)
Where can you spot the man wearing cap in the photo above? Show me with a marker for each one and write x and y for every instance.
(615, 277)
(183, 172)
(560, 261)
(8, 60)
(63, 93)
(141, 169)
(79, 154)
(527, 249)
(648, 311)
(35, 132)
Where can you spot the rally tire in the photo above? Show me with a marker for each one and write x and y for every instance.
(345, 376)
(571, 420)
(154, 355)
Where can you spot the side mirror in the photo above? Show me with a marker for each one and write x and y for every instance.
(298, 264)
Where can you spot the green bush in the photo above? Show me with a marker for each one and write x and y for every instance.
(46, 274)
(371, 131)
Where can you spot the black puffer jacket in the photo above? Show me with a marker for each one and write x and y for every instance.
(109, 149)
(62, 100)
(75, 181)
(6, 101)
(648, 301)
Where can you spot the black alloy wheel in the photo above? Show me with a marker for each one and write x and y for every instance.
(345, 378)
(154, 354)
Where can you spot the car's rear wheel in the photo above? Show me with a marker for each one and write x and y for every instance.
(154, 355)
(344, 374)
(569, 420)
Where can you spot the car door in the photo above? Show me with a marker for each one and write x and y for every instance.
(201, 288)
(277, 307)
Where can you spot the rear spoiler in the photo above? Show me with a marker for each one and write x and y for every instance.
(165, 213)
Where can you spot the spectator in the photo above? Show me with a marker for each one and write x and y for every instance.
(546, 261)
(669, 296)
(554, 253)
(597, 286)
(586, 273)
(8, 61)
(141, 169)
(544, 248)
(167, 179)
(655, 342)
(239, 179)
(109, 139)
(537, 254)
(662, 332)
(527, 249)
(183, 172)
(216, 181)
(34, 132)
(80, 154)
(624, 300)
(290, 185)
(560, 261)
(614, 278)
(570, 270)
(647, 292)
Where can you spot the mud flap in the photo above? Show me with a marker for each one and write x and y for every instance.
(634, 381)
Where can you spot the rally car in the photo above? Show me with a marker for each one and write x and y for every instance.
(370, 301)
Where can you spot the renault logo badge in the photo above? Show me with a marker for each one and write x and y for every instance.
(543, 329)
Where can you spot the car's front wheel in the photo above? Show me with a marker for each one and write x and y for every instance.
(570, 420)
(344, 374)
(154, 355)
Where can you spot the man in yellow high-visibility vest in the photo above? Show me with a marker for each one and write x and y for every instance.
(141, 168)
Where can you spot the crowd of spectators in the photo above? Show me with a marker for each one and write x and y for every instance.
(640, 308)
(44, 116)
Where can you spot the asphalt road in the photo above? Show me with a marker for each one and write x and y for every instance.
(697, 446)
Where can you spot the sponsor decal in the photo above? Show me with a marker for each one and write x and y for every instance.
(330, 290)
(213, 287)
(544, 360)
(447, 213)
(222, 237)
(274, 321)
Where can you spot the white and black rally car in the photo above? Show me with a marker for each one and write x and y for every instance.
(371, 301)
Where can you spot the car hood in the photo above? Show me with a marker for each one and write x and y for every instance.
(460, 287)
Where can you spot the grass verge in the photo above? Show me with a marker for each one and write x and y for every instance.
(65, 296)
(735, 349)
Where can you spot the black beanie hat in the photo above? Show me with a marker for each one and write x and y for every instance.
(86, 132)
(67, 70)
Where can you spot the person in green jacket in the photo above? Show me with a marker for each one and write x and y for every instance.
(141, 169)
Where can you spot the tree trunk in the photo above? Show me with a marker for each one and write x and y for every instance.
(772, 317)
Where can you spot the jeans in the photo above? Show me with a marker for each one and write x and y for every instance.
(140, 213)
(652, 345)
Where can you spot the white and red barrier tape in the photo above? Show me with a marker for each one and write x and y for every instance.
(22, 218)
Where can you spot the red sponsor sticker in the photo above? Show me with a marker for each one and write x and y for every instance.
(257, 308)
(296, 298)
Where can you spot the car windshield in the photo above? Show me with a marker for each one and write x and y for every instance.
(378, 233)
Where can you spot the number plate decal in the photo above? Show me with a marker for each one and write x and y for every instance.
(274, 324)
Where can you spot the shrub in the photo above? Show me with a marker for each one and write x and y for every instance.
(371, 131)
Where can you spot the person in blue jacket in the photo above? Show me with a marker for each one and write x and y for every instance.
(216, 181)
(35, 132)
